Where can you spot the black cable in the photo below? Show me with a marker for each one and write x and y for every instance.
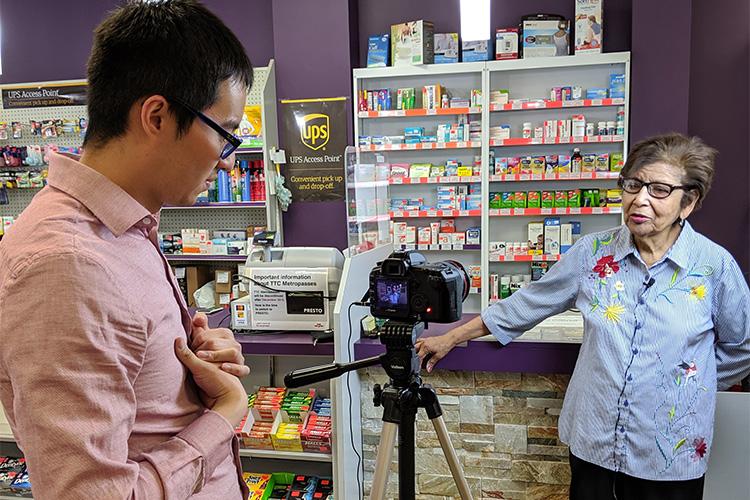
(349, 391)
(278, 290)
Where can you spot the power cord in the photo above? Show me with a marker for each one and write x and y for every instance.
(349, 391)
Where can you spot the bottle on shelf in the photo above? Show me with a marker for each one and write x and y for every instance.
(576, 160)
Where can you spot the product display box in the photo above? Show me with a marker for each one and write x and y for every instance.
(589, 27)
(378, 51)
(190, 279)
(545, 38)
(446, 48)
(412, 43)
(506, 43)
(476, 51)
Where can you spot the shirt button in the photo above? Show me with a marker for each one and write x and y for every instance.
(635, 350)
(641, 301)
(626, 404)
(147, 220)
(630, 378)
(638, 326)
(622, 429)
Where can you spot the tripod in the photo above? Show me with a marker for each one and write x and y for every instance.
(401, 397)
(400, 405)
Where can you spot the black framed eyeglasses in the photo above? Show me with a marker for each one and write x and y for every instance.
(233, 142)
(658, 190)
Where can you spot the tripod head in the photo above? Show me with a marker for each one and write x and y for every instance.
(400, 359)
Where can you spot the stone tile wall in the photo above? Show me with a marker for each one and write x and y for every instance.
(504, 429)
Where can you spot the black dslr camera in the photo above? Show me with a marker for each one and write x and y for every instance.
(404, 287)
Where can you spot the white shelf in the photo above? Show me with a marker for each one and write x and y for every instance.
(403, 113)
(534, 104)
(586, 139)
(424, 145)
(286, 455)
(528, 81)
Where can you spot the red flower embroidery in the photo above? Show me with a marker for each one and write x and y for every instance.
(700, 448)
(606, 266)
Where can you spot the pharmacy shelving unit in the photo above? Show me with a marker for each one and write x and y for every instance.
(368, 198)
(528, 82)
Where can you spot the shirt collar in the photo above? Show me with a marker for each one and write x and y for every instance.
(679, 253)
(109, 203)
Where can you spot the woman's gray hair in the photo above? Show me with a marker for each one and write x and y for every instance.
(690, 154)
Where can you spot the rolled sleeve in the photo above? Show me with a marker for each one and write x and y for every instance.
(731, 306)
(554, 293)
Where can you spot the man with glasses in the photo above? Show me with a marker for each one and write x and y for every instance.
(111, 388)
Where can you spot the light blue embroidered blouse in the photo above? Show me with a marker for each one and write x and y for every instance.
(658, 341)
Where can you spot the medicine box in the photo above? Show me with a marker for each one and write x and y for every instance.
(616, 85)
(506, 43)
(476, 50)
(545, 38)
(589, 27)
(446, 48)
(412, 43)
(377, 50)
(536, 237)
(473, 235)
(552, 235)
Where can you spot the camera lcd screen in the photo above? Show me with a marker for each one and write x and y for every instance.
(393, 294)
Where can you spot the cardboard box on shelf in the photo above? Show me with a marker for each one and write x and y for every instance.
(223, 280)
(190, 279)
(412, 43)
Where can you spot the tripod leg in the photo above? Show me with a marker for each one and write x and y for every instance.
(383, 461)
(406, 464)
(450, 455)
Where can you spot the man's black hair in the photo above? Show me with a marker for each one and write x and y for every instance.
(174, 48)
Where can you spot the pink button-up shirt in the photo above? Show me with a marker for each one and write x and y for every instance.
(89, 311)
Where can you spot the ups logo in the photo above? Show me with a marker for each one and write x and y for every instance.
(314, 130)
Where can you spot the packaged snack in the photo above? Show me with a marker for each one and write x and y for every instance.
(561, 199)
(519, 199)
(574, 198)
(534, 199)
(507, 200)
(548, 199)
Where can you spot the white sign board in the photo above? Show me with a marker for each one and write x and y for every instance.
(292, 299)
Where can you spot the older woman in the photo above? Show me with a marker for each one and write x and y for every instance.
(665, 325)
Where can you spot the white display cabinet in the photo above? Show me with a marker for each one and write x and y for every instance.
(529, 83)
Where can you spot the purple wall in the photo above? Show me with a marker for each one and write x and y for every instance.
(718, 113)
(51, 39)
(377, 16)
(46, 39)
(312, 45)
(660, 69)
